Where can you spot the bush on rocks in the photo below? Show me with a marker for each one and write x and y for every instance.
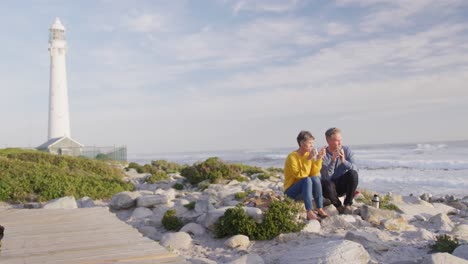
(157, 176)
(445, 243)
(171, 222)
(212, 169)
(168, 167)
(279, 218)
(247, 169)
(178, 186)
(190, 206)
(34, 176)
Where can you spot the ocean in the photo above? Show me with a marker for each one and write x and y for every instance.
(438, 168)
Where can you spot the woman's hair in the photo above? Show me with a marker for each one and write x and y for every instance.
(304, 135)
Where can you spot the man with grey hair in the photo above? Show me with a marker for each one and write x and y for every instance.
(339, 171)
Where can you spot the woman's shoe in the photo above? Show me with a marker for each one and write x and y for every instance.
(322, 213)
(312, 216)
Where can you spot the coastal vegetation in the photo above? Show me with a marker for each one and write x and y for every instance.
(34, 176)
(445, 243)
(280, 217)
(171, 222)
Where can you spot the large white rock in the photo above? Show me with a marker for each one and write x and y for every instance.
(141, 212)
(203, 206)
(179, 240)
(375, 216)
(443, 258)
(85, 202)
(334, 223)
(248, 259)
(238, 241)
(368, 239)
(313, 226)
(255, 213)
(395, 224)
(124, 200)
(413, 206)
(210, 218)
(193, 228)
(441, 222)
(461, 232)
(151, 200)
(67, 202)
(330, 252)
(287, 237)
(158, 214)
(461, 252)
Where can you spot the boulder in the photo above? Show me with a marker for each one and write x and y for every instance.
(124, 200)
(375, 216)
(287, 237)
(210, 218)
(313, 226)
(426, 197)
(194, 229)
(461, 252)
(255, 213)
(248, 259)
(441, 222)
(203, 206)
(337, 251)
(67, 202)
(395, 224)
(368, 240)
(331, 210)
(179, 240)
(238, 241)
(85, 202)
(442, 258)
(151, 200)
(141, 212)
(333, 223)
(461, 232)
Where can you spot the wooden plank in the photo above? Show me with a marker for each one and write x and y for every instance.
(89, 235)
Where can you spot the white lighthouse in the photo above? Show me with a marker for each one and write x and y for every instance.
(59, 138)
(59, 114)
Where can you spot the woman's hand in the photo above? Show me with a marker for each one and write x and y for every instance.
(322, 153)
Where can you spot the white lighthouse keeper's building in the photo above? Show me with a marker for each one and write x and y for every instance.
(59, 137)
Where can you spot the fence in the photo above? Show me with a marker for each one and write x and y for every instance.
(105, 153)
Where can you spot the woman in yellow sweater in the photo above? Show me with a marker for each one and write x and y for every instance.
(302, 175)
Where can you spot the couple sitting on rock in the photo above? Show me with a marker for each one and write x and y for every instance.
(334, 163)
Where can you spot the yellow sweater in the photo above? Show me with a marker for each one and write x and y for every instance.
(298, 167)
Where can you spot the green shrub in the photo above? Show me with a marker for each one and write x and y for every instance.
(212, 169)
(247, 169)
(240, 196)
(171, 222)
(178, 186)
(203, 185)
(241, 178)
(385, 201)
(133, 165)
(102, 156)
(29, 175)
(281, 217)
(264, 176)
(235, 221)
(190, 205)
(445, 243)
(168, 167)
(157, 176)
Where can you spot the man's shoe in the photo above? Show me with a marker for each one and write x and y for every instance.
(348, 209)
(340, 209)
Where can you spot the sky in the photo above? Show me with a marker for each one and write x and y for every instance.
(175, 76)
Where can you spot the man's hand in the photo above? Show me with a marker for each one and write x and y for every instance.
(335, 155)
(342, 155)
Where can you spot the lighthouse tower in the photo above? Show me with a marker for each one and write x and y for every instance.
(59, 115)
(59, 138)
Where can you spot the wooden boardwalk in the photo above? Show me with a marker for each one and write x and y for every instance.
(87, 236)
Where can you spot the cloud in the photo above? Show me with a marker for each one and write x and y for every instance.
(337, 29)
(268, 6)
(145, 22)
